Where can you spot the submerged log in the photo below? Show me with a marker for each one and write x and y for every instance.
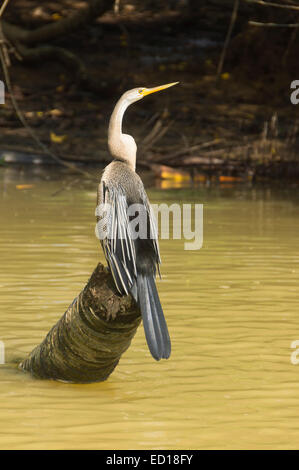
(87, 342)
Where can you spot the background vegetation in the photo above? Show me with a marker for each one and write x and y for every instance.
(70, 60)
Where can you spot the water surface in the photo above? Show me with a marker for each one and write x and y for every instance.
(231, 307)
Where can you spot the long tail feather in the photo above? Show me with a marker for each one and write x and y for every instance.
(154, 323)
(166, 344)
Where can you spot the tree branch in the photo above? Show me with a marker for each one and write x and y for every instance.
(58, 28)
(67, 58)
(3, 6)
(273, 25)
(228, 36)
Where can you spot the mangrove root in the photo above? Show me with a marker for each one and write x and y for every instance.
(87, 342)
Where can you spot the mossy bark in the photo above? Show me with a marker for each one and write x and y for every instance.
(87, 342)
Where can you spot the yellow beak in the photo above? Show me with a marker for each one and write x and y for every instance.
(148, 91)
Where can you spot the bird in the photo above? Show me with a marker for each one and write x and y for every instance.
(132, 260)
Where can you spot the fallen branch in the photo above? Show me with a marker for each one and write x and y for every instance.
(32, 45)
(196, 160)
(275, 5)
(87, 342)
(59, 54)
(273, 25)
(189, 150)
(59, 28)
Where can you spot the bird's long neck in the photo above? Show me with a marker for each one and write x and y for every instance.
(121, 146)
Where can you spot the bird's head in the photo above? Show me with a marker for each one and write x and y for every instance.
(123, 146)
(138, 93)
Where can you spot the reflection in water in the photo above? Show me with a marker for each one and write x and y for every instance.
(231, 307)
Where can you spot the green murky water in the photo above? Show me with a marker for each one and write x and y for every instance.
(231, 307)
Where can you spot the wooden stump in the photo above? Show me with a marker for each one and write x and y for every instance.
(87, 342)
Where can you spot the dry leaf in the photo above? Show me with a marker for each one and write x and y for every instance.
(57, 139)
(56, 16)
(55, 112)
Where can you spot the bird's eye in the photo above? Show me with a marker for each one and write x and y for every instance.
(140, 91)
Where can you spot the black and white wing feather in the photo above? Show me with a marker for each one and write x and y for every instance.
(114, 232)
(133, 261)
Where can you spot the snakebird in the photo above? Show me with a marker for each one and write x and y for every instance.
(133, 261)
